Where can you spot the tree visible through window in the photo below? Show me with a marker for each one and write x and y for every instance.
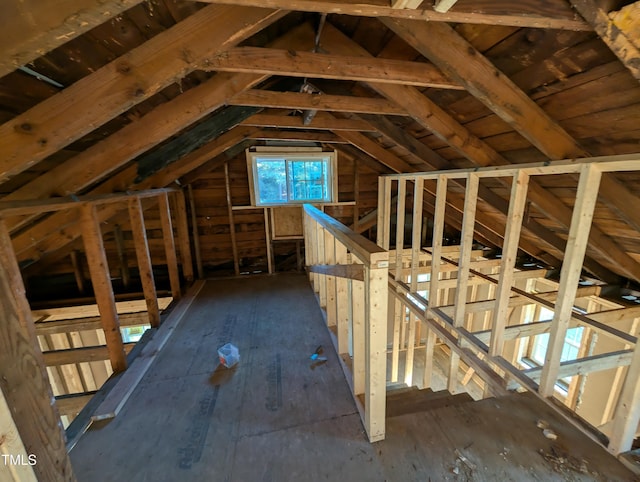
(293, 178)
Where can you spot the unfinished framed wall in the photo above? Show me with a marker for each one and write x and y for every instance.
(449, 309)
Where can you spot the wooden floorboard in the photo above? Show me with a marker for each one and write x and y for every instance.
(278, 416)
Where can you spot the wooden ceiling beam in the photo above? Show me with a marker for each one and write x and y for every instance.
(105, 157)
(296, 122)
(445, 127)
(617, 29)
(34, 27)
(110, 154)
(295, 136)
(462, 62)
(561, 18)
(302, 101)
(459, 60)
(300, 63)
(123, 83)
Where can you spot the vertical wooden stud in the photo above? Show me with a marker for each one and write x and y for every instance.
(376, 292)
(145, 268)
(627, 415)
(232, 224)
(436, 259)
(17, 290)
(27, 405)
(468, 222)
(182, 225)
(77, 270)
(267, 235)
(416, 231)
(322, 279)
(356, 195)
(122, 256)
(101, 281)
(330, 258)
(343, 303)
(358, 336)
(194, 231)
(169, 244)
(399, 309)
(507, 264)
(384, 212)
(581, 219)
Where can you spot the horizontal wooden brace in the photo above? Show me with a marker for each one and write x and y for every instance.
(73, 403)
(349, 271)
(363, 9)
(582, 366)
(303, 101)
(256, 60)
(614, 163)
(364, 249)
(80, 355)
(37, 206)
(540, 327)
(90, 323)
(518, 300)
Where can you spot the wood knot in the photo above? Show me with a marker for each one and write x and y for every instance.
(25, 126)
(42, 142)
(123, 68)
(471, 50)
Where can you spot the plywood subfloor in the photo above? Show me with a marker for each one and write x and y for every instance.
(279, 417)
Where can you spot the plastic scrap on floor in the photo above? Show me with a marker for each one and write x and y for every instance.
(317, 353)
(228, 355)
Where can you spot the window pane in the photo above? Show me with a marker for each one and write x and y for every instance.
(272, 180)
(308, 180)
(540, 348)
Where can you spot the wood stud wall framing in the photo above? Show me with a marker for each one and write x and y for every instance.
(362, 312)
(484, 351)
(16, 308)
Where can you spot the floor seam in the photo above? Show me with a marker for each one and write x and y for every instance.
(302, 424)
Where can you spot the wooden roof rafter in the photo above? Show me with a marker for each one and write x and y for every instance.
(38, 27)
(63, 118)
(443, 125)
(617, 29)
(482, 79)
(559, 16)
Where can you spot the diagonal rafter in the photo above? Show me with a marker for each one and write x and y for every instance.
(39, 27)
(123, 83)
(486, 225)
(460, 61)
(435, 119)
(613, 31)
(105, 157)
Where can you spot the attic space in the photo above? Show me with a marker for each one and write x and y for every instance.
(418, 221)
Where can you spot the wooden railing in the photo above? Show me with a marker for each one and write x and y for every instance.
(349, 273)
(423, 297)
